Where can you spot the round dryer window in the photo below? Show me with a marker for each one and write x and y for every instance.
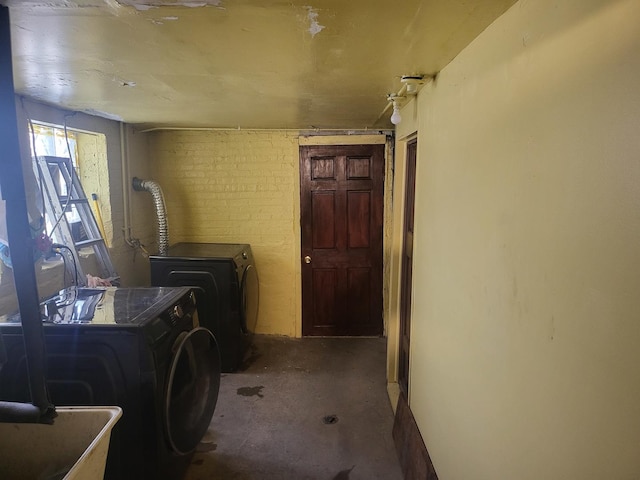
(192, 389)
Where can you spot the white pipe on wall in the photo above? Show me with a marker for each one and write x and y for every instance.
(124, 159)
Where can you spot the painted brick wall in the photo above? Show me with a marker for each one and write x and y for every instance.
(238, 187)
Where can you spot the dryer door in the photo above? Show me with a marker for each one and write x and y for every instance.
(249, 299)
(192, 389)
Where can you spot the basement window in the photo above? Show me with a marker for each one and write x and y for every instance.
(89, 158)
(44, 140)
(52, 141)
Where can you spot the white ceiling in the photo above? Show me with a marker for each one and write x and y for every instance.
(236, 63)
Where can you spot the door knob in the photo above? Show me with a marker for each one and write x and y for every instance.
(307, 259)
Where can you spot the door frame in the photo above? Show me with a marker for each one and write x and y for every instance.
(354, 139)
(392, 313)
(406, 270)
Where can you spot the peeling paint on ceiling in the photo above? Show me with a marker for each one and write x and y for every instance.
(54, 3)
(162, 20)
(143, 5)
(140, 7)
(312, 15)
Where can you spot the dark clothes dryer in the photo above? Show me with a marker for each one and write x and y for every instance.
(227, 291)
(137, 348)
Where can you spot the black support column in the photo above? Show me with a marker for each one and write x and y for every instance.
(19, 232)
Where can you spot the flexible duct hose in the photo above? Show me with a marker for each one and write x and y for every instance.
(161, 211)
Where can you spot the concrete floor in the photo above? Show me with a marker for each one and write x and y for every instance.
(302, 409)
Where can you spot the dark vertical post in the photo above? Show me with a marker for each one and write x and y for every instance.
(18, 229)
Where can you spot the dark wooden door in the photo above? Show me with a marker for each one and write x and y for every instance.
(407, 268)
(341, 190)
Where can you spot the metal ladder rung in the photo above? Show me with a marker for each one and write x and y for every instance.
(74, 201)
(57, 161)
(89, 243)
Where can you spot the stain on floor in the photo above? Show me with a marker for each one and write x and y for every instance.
(344, 474)
(330, 419)
(251, 391)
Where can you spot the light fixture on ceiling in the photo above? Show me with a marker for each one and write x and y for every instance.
(412, 83)
(396, 118)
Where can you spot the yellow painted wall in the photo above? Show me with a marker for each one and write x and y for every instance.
(94, 176)
(524, 359)
(239, 187)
